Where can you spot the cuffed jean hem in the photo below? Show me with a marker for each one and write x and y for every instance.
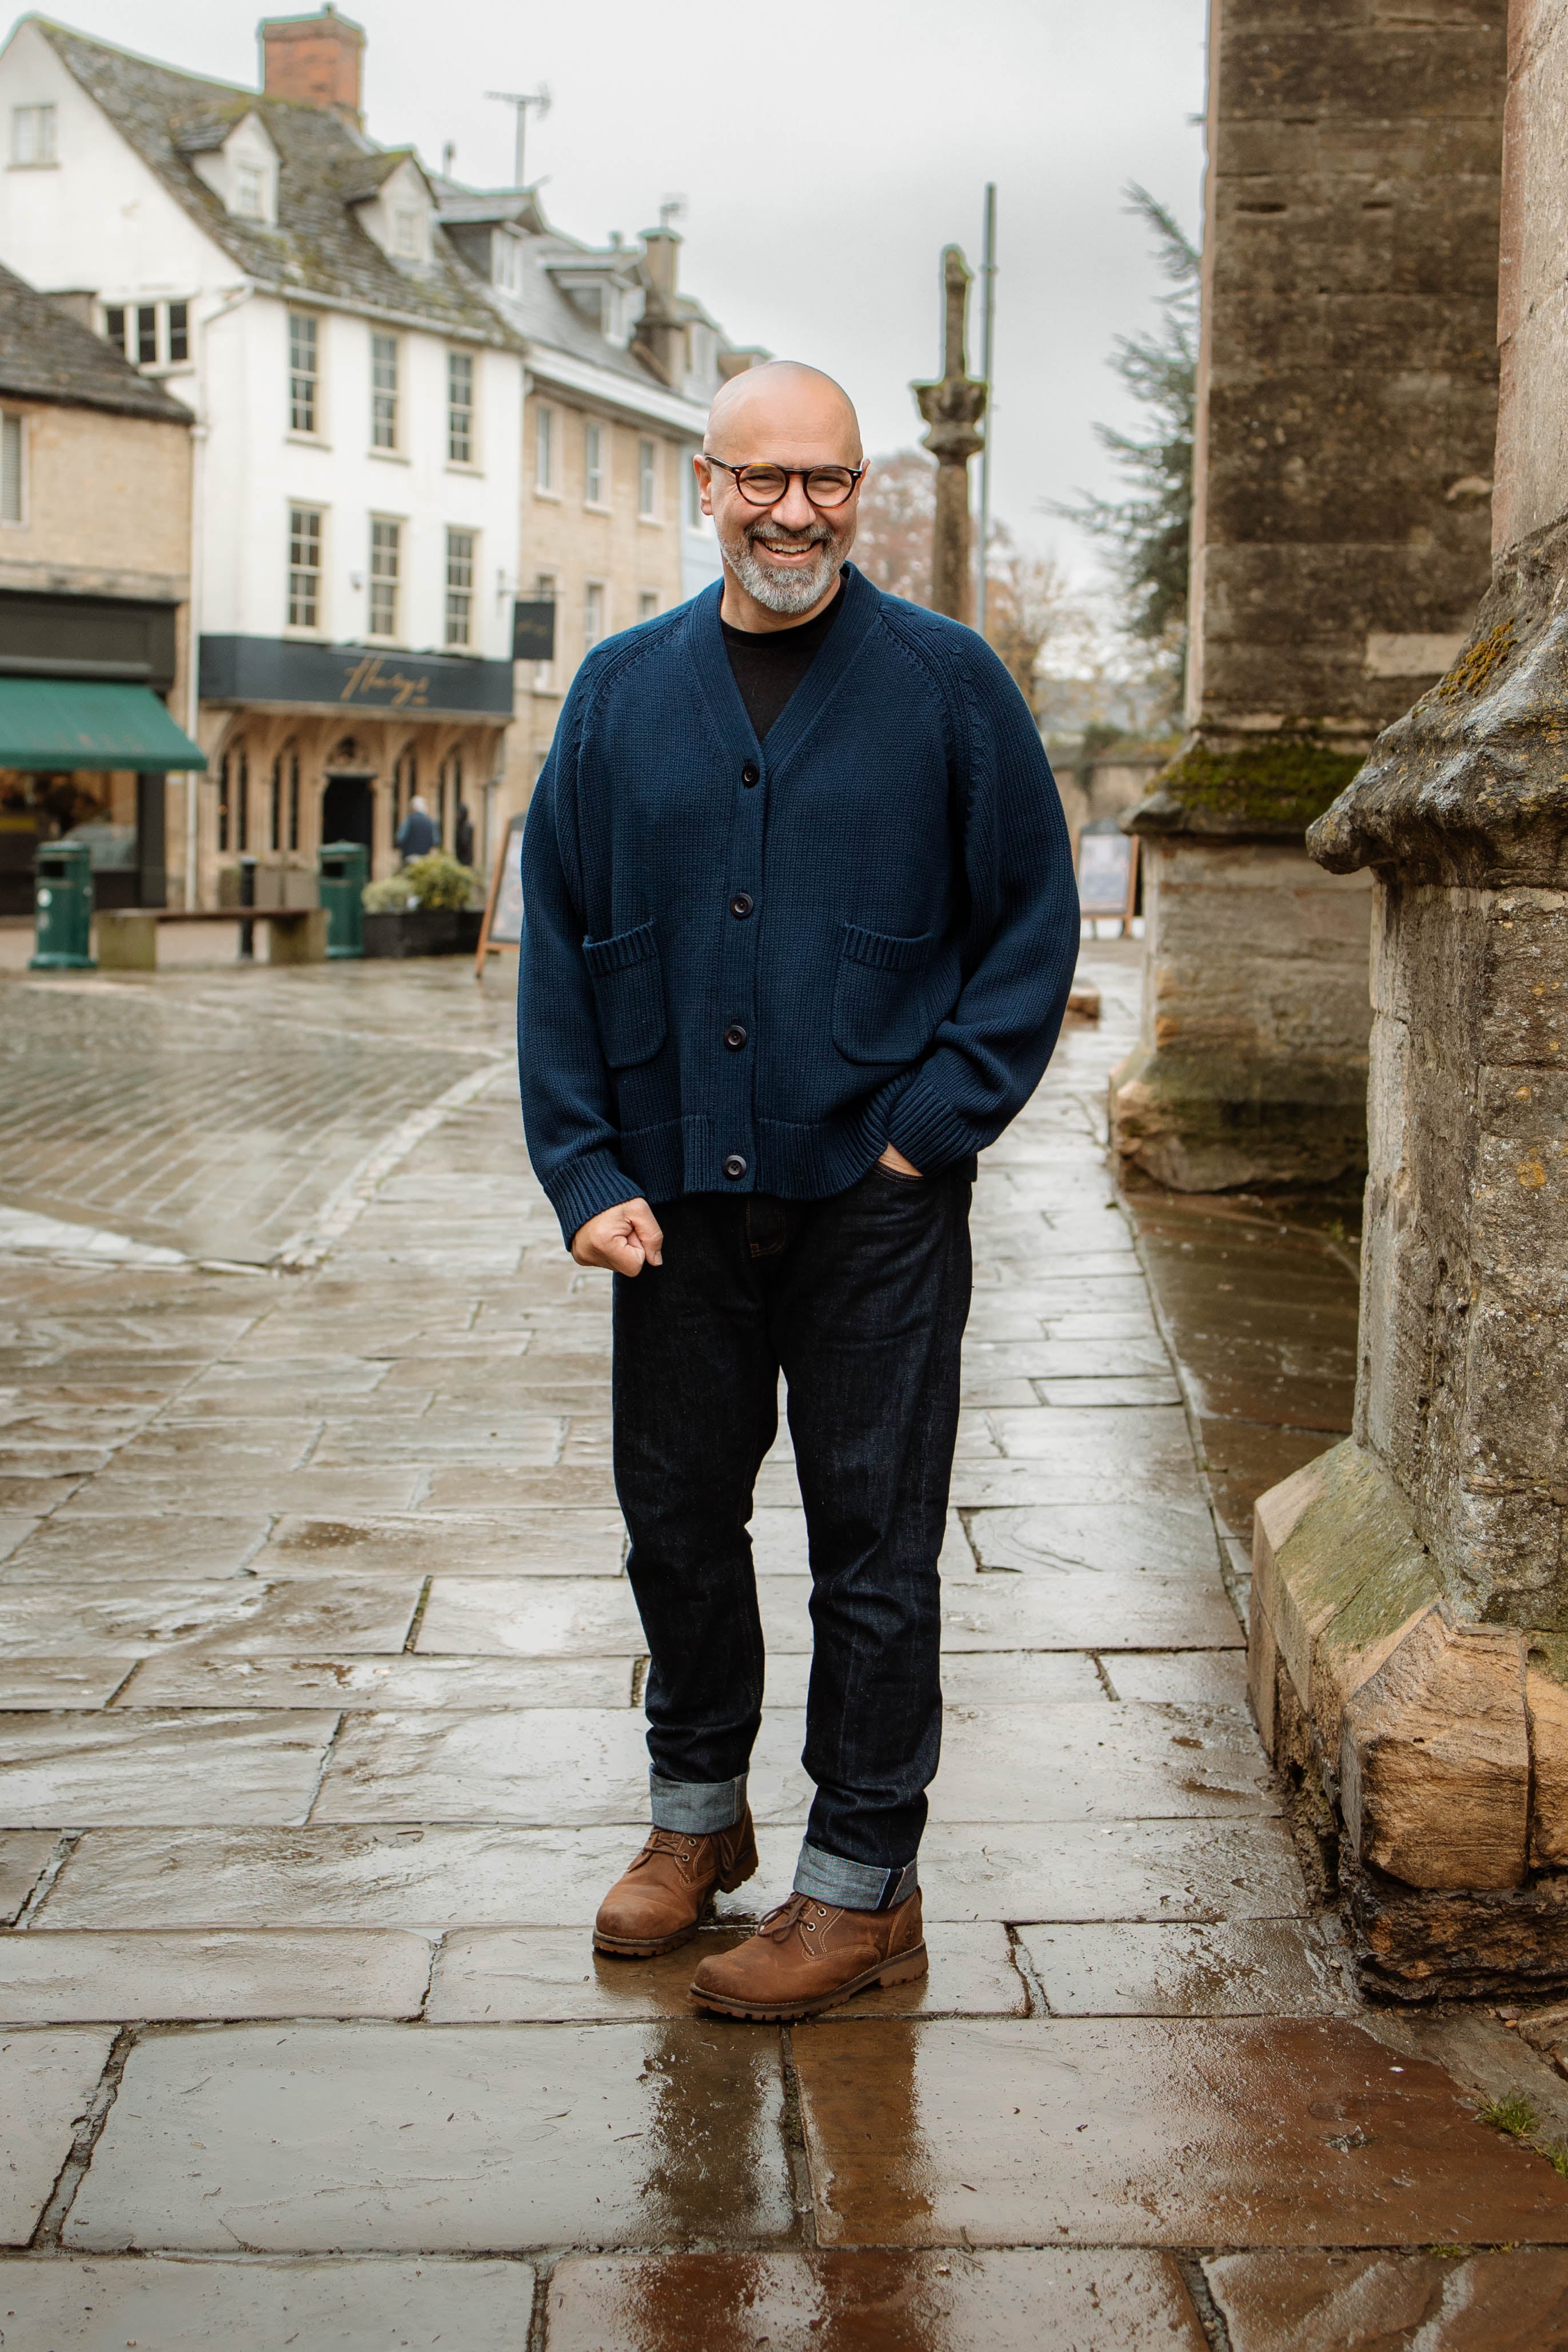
(852, 1886)
(701, 1807)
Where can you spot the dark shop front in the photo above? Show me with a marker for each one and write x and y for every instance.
(87, 741)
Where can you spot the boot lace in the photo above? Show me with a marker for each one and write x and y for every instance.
(797, 1912)
(676, 1842)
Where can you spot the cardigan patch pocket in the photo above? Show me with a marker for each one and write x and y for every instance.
(629, 995)
(881, 1004)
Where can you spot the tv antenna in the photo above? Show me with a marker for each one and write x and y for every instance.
(522, 101)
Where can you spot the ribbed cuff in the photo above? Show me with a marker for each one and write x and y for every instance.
(927, 1129)
(701, 1807)
(852, 1886)
(585, 1187)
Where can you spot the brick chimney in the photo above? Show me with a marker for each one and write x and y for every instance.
(314, 60)
(660, 332)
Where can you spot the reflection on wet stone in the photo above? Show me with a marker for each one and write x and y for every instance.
(320, 2137)
(873, 2301)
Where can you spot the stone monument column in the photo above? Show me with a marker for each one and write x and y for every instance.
(952, 409)
(1346, 415)
(1409, 1644)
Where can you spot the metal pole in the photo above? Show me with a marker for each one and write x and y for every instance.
(987, 324)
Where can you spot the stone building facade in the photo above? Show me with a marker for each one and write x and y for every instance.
(1347, 412)
(622, 366)
(1409, 1646)
(95, 516)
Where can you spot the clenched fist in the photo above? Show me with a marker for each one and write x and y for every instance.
(624, 1238)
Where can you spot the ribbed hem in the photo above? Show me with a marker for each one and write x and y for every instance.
(701, 1807)
(585, 1187)
(927, 1129)
(852, 1886)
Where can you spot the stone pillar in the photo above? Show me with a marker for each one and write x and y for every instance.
(953, 409)
(1346, 415)
(1409, 1641)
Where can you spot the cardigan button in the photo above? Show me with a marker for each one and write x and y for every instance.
(735, 1167)
(751, 774)
(740, 905)
(735, 1036)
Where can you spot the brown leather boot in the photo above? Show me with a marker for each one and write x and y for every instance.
(658, 1903)
(808, 1956)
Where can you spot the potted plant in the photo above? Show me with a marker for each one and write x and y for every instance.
(425, 908)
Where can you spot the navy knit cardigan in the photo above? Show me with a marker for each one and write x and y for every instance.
(750, 966)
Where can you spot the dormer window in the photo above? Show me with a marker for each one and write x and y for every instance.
(398, 215)
(240, 164)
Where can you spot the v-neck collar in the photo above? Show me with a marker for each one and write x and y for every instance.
(799, 715)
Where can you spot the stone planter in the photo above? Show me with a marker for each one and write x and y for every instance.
(423, 932)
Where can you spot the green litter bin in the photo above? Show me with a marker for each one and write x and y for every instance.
(62, 908)
(342, 868)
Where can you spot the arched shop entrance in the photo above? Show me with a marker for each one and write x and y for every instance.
(347, 797)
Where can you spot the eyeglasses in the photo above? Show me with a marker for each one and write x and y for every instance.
(764, 485)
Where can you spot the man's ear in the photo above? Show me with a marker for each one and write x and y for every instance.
(703, 472)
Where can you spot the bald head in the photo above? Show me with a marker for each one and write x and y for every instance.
(782, 411)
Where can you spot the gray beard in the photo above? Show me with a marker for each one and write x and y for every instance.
(785, 591)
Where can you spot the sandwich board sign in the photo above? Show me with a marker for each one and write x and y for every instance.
(1107, 871)
(503, 924)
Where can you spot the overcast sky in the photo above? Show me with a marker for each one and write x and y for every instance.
(826, 153)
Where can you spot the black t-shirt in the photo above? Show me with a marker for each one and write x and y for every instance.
(769, 664)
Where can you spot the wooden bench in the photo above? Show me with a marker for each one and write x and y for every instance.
(127, 936)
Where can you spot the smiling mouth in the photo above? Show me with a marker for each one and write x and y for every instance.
(787, 553)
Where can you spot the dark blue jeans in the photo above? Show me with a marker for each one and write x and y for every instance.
(861, 1300)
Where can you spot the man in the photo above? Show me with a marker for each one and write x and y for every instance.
(801, 925)
(417, 836)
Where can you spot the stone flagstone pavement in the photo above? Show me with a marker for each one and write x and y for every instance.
(322, 1740)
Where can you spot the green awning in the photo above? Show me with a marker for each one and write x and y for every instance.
(64, 722)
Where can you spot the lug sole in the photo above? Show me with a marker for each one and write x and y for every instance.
(642, 1947)
(905, 1970)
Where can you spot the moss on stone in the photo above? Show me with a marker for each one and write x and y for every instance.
(1276, 786)
(1548, 1654)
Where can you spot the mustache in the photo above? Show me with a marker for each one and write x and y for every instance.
(771, 535)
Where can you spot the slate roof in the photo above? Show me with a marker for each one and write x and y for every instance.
(541, 310)
(320, 246)
(44, 354)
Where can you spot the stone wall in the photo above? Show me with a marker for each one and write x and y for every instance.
(1255, 1002)
(1346, 409)
(1409, 1641)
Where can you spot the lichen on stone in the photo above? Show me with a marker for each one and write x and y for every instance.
(1476, 664)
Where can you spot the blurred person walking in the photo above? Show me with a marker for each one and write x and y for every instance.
(417, 836)
(801, 924)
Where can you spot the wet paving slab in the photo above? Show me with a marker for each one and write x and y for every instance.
(414, 1874)
(1233, 1968)
(509, 1975)
(65, 1979)
(47, 2080)
(1136, 2131)
(177, 2304)
(1447, 2301)
(321, 2138)
(873, 2302)
(248, 1614)
(161, 1764)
